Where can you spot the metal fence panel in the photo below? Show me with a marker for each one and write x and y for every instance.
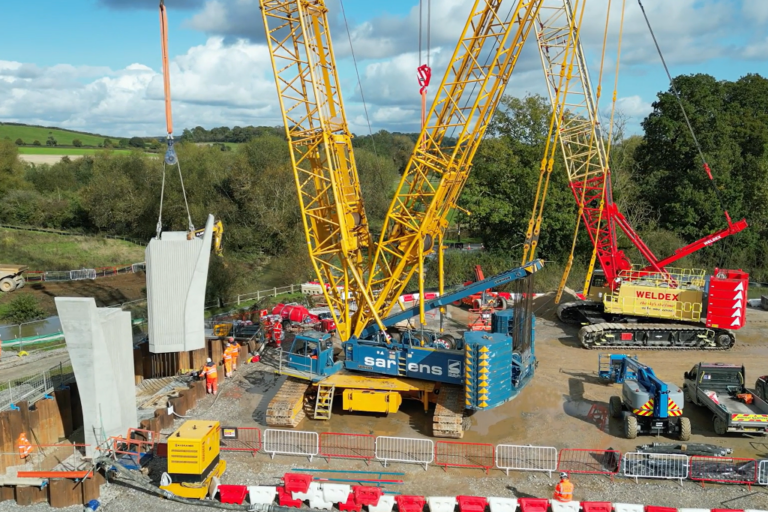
(30, 389)
(600, 462)
(655, 465)
(57, 276)
(291, 442)
(138, 267)
(464, 455)
(82, 274)
(347, 446)
(403, 449)
(240, 439)
(723, 469)
(526, 458)
(762, 473)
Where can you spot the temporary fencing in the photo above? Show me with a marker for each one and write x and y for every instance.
(762, 473)
(601, 462)
(526, 458)
(723, 469)
(240, 439)
(32, 389)
(505, 457)
(464, 455)
(655, 465)
(347, 446)
(405, 449)
(291, 442)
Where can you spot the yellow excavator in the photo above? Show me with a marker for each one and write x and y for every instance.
(218, 233)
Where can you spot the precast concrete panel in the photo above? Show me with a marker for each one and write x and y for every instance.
(177, 271)
(100, 346)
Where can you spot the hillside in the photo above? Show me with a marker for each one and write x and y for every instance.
(29, 134)
(50, 251)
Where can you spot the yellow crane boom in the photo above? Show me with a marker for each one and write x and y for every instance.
(335, 223)
(581, 139)
(437, 171)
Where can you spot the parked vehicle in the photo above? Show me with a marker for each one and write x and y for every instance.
(720, 388)
(11, 277)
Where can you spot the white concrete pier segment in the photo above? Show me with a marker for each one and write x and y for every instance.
(177, 271)
(100, 346)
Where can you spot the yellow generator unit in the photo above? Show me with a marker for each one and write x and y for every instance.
(193, 459)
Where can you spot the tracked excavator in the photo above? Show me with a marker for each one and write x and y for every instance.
(375, 368)
(623, 305)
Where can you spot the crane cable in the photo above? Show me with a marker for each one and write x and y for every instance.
(170, 154)
(685, 115)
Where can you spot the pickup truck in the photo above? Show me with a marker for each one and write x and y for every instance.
(720, 388)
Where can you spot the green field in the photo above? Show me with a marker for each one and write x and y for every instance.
(49, 251)
(29, 134)
(44, 150)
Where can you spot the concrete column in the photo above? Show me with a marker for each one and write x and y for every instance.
(177, 271)
(100, 346)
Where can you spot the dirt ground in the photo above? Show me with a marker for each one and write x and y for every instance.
(551, 411)
(108, 291)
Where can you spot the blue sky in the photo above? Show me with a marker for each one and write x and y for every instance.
(94, 64)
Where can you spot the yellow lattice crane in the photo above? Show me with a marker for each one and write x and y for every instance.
(430, 369)
(335, 223)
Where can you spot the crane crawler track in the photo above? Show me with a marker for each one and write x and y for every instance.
(286, 409)
(646, 336)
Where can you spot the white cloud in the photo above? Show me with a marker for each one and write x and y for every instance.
(212, 84)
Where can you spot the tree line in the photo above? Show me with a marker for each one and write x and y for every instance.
(659, 184)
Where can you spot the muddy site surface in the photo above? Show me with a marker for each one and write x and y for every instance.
(552, 411)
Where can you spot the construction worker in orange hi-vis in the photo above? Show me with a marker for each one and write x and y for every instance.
(211, 377)
(25, 447)
(234, 349)
(564, 489)
(227, 360)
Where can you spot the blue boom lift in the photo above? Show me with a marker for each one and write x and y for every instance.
(647, 404)
(479, 371)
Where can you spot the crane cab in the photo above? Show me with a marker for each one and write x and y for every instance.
(311, 356)
(598, 287)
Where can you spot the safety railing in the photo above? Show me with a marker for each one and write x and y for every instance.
(730, 470)
(598, 462)
(291, 442)
(34, 388)
(240, 439)
(405, 449)
(655, 465)
(464, 455)
(347, 446)
(511, 457)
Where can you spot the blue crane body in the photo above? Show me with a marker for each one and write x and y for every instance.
(647, 405)
(492, 367)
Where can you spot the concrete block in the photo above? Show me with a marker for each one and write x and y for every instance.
(177, 271)
(100, 346)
